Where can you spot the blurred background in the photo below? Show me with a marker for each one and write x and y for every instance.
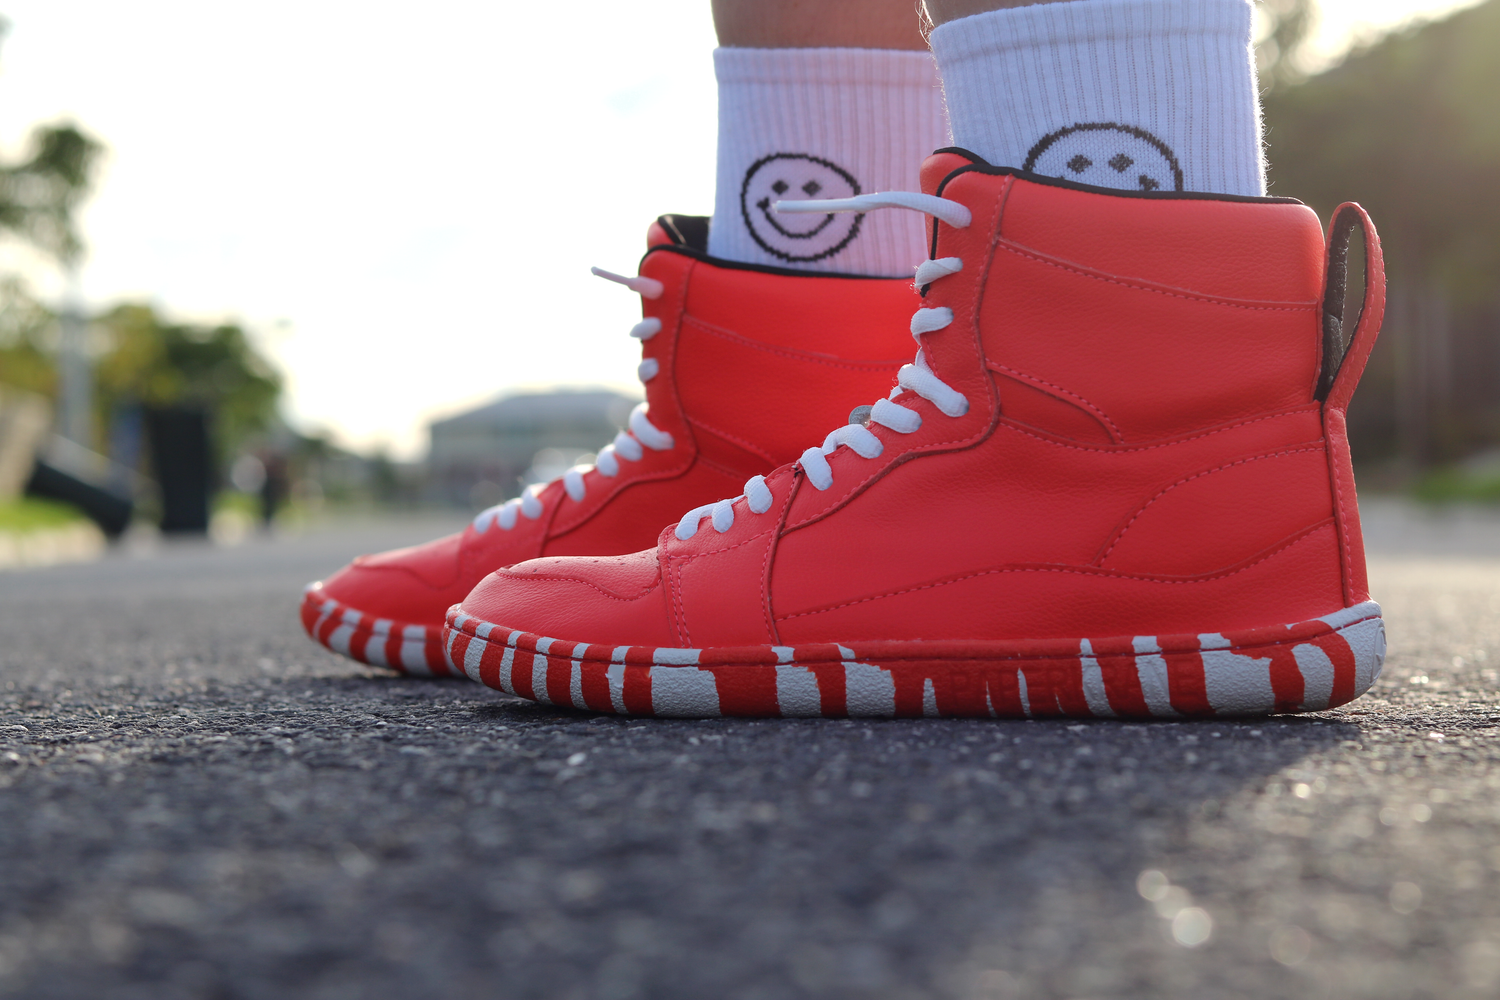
(271, 264)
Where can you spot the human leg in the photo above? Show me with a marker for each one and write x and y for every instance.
(942, 11)
(818, 24)
(1134, 94)
(821, 100)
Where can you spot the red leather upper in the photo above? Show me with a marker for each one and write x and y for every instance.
(1143, 452)
(749, 359)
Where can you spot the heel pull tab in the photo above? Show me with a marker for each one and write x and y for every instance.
(1343, 365)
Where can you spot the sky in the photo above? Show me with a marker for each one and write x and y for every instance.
(400, 201)
(1342, 24)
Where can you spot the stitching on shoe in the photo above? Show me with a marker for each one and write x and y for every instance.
(1347, 518)
(970, 440)
(1085, 272)
(1080, 571)
(680, 562)
(1169, 443)
(673, 345)
(628, 477)
(540, 532)
(719, 467)
(665, 562)
(1099, 560)
(917, 451)
(548, 578)
(1341, 503)
(767, 601)
(1090, 407)
(959, 444)
(679, 612)
(982, 654)
(764, 584)
(828, 361)
(477, 544)
(731, 438)
(687, 557)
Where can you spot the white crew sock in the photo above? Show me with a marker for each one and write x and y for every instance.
(1153, 94)
(823, 123)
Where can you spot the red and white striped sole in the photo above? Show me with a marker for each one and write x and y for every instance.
(1306, 667)
(381, 642)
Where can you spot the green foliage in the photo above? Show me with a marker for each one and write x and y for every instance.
(32, 514)
(1287, 23)
(155, 363)
(25, 361)
(1453, 484)
(38, 195)
(1409, 129)
(38, 199)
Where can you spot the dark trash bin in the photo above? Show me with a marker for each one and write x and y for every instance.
(182, 456)
(275, 488)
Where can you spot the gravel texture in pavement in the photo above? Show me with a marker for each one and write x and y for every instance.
(196, 801)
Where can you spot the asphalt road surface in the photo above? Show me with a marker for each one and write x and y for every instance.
(195, 801)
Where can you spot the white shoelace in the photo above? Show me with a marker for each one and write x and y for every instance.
(916, 378)
(628, 444)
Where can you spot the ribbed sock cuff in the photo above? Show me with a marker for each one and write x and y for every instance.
(822, 123)
(1077, 89)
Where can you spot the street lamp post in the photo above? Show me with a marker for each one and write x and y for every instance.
(75, 368)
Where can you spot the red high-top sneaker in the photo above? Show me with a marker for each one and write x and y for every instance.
(738, 361)
(1114, 483)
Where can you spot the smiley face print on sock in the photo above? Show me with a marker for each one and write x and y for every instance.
(798, 177)
(1107, 154)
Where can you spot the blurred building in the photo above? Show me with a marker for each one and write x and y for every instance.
(488, 455)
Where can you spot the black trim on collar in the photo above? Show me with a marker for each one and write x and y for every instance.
(686, 230)
(978, 165)
(789, 272)
(689, 233)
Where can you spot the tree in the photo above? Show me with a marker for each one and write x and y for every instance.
(39, 195)
(1407, 127)
(38, 199)
(25, 361)
(158, 364)
(1285, 28)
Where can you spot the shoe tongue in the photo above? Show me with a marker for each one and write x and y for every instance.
(937, 167)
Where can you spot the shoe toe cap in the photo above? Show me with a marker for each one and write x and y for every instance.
(416, 584)
(617, 600)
